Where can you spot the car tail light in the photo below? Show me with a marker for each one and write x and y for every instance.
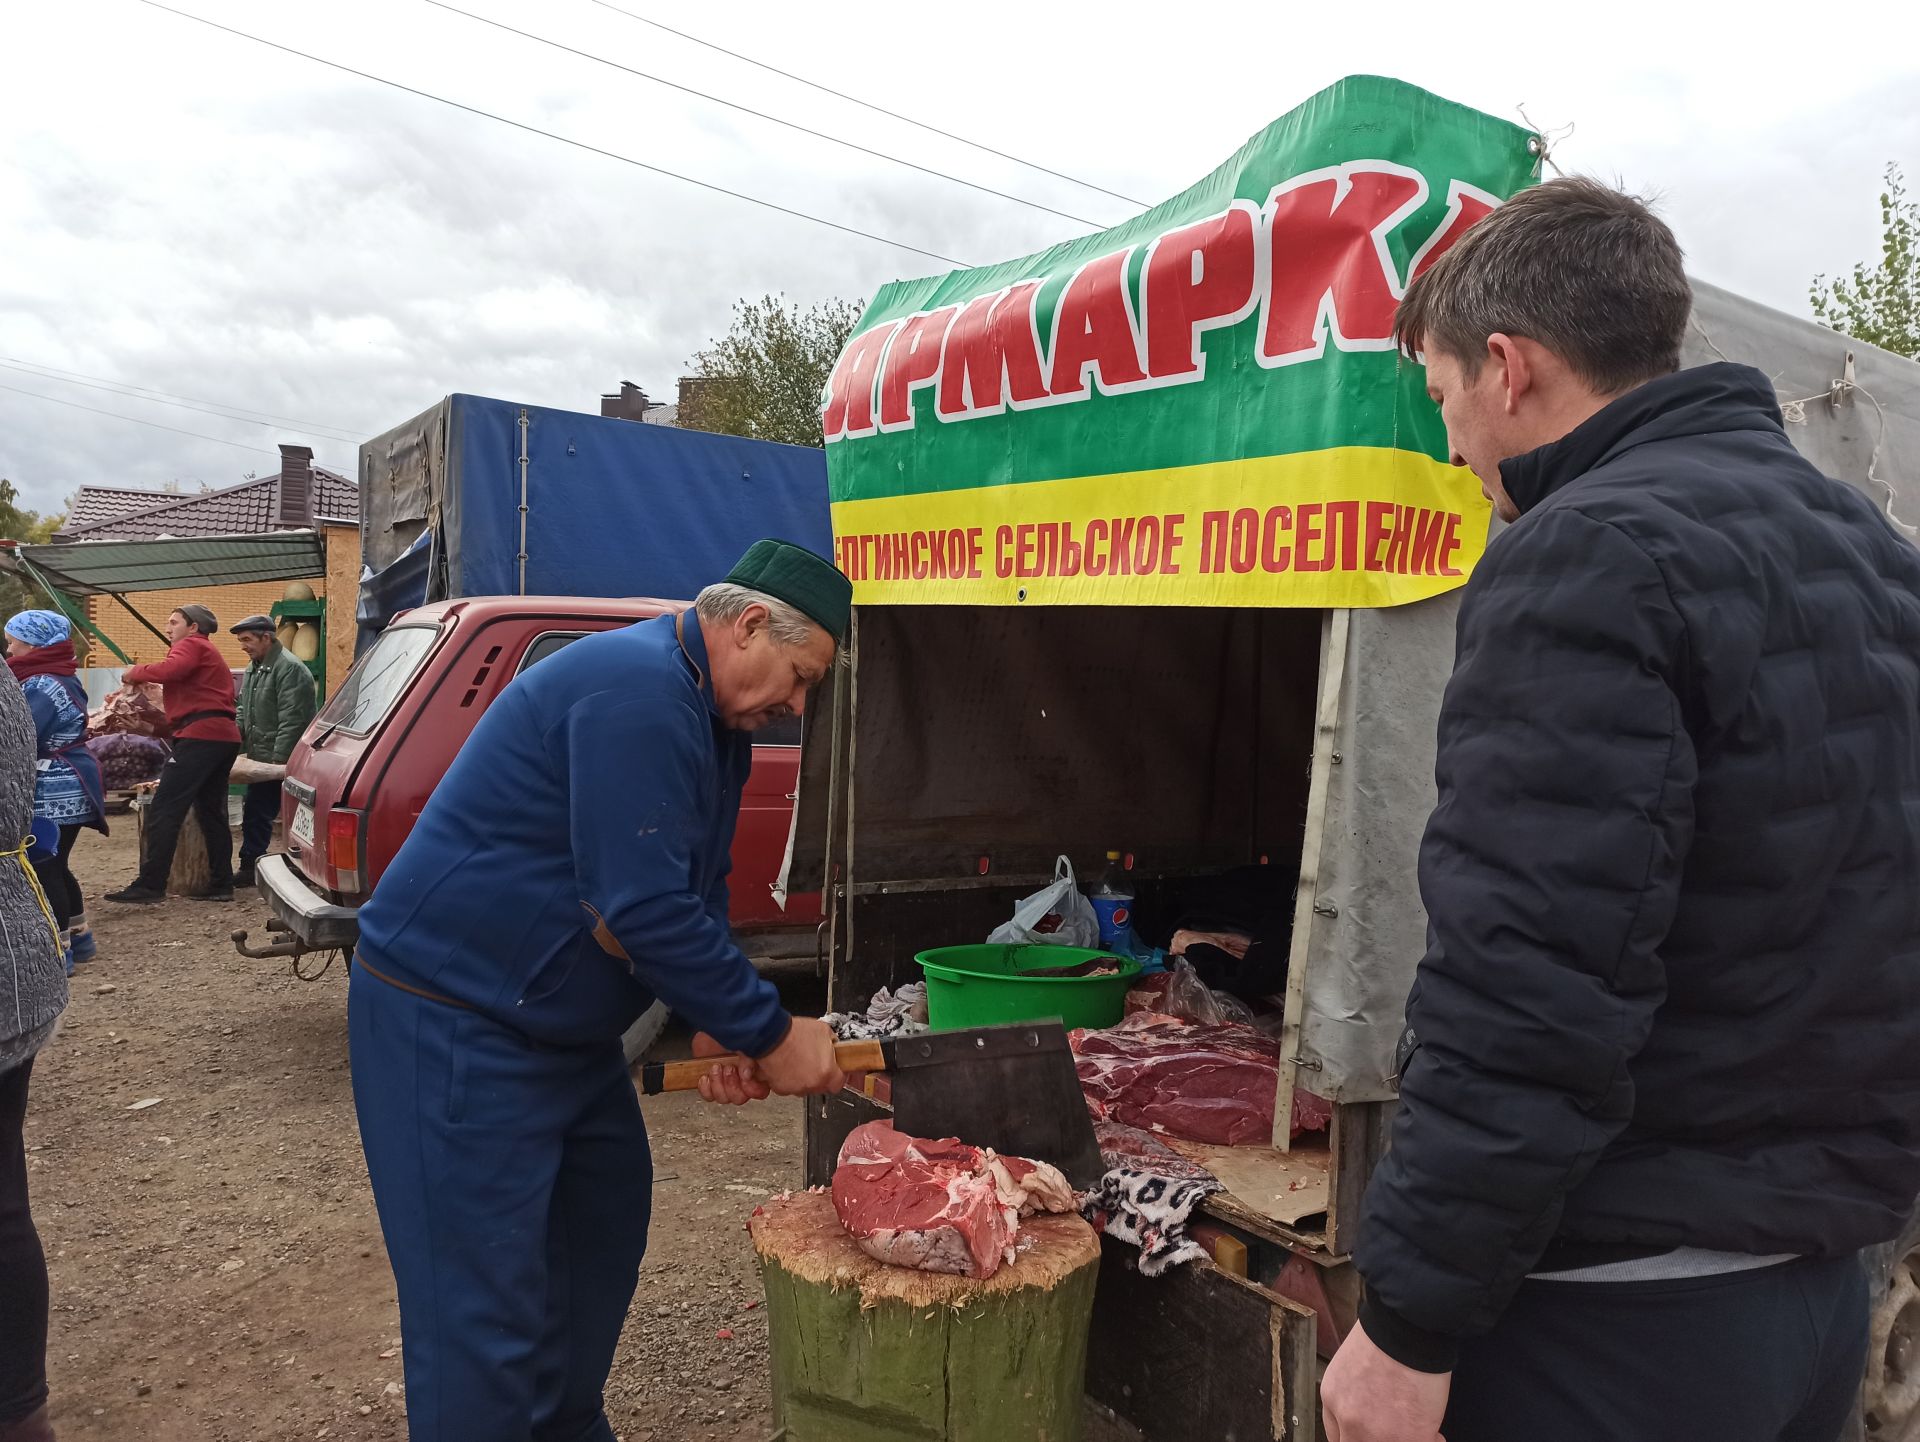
(347, 847)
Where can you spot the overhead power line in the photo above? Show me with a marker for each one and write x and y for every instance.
(763, 115)
(166, 398)
(115, 415)
(555, 135)
(868, 104)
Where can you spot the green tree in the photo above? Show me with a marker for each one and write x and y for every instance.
(30, 528)
(764, 377)
(1880, 304)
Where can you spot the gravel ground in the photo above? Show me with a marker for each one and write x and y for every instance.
(218, 1273)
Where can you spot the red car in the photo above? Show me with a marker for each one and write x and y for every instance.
(373, 755)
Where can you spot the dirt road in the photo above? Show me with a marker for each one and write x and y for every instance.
(217, 1268)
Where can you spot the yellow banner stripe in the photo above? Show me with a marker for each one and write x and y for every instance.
(1349, 526)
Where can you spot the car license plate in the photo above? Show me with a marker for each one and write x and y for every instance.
(303, 824)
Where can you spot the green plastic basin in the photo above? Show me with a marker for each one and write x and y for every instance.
(985, 986)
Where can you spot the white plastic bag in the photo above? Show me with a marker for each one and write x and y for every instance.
(1057, 915)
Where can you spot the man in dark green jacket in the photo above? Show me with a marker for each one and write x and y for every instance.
(276, 702)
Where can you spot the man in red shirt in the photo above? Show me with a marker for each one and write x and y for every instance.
(197, 688)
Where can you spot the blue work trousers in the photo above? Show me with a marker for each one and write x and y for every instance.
(514, 1186)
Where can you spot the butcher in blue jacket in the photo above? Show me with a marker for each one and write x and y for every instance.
(570, 868)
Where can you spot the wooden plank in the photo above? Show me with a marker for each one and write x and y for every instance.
(837, 986)
(1309, 1238)
(1030, 882)
(1351, 1141)
(1297, 1366)
(1268, 1192)
(1196, 1353)
(1333, 664)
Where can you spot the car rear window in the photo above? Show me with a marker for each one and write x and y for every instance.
(376, 681)
(777, 733)
(545, 644)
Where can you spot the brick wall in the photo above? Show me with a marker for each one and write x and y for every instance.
(228, 603)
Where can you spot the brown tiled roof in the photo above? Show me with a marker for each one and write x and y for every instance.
(108, 513)
(94, 505)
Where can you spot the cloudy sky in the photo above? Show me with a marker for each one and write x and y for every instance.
(189, 212)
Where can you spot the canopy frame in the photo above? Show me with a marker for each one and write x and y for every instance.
(65, 570)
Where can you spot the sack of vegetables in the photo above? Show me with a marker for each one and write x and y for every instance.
(128, 760)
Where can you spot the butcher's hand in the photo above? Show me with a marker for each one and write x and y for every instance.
(803, 1064)
(1366, 1396)
(731, 1085)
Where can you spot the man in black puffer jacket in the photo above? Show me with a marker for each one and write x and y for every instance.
(1661, 1080)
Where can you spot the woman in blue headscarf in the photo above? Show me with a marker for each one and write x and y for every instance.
(67, 794)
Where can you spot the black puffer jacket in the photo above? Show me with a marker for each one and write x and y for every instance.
(1672, 994)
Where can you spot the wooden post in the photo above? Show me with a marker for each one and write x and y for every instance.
(865, 1352)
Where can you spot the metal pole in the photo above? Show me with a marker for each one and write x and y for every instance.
(127, 606)
(523, 502)
(853, 756)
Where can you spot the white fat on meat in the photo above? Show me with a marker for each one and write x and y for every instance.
(939, 1206)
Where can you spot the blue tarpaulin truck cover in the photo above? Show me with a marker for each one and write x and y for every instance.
(611, 507)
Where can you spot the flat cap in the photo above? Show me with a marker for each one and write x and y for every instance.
(253, 623)
(201, 616)
(790, 573)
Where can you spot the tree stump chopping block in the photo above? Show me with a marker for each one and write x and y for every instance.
(192, 870)
(866, 1352)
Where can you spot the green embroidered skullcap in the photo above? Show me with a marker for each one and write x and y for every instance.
(790, 573)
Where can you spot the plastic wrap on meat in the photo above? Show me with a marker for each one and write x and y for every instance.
(1125, 1148)
(938, 1206)
(1178, 991)
(1184, 1079)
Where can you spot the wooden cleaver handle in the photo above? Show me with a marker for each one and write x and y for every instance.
(684, 1076)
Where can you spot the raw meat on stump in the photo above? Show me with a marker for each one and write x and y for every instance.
(938, 1206)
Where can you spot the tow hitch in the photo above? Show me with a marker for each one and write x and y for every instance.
(289, 946)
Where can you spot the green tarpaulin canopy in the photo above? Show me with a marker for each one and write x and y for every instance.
(68, 569)
(108, 568)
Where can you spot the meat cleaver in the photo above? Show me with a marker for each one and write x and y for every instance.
(1012, 1088)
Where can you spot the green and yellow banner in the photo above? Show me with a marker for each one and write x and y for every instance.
(1200, 407)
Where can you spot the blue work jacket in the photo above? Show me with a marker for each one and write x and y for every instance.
(572, 864)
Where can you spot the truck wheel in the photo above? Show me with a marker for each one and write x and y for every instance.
(645, 1031)
(1893, 1356)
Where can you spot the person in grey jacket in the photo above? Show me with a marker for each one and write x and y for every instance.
(276, 702)
(33, 992)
